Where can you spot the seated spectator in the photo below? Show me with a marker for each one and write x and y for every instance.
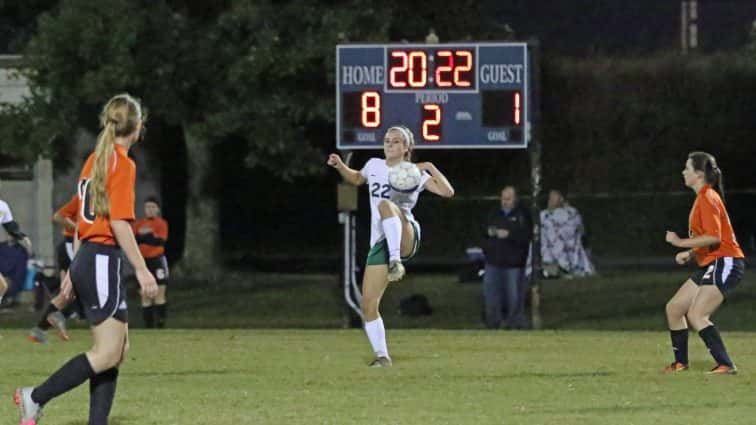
(562, 251)
(13, 255)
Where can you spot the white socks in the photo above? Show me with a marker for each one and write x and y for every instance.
(392, 229)
(376, 333)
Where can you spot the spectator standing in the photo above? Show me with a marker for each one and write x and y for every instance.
(505, 246)
(151, 233)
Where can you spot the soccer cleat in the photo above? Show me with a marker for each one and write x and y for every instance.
(675, 367)
(29, 411)
(58, 321)
(381, 362)
(395, 271)
(723, 369)
(37, 335)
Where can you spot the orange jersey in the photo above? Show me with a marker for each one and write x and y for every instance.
(155, 227)
(70, 211)
(709, 217)
(120, 189)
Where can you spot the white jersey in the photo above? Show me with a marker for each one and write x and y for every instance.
(5, 213)
(376, 172)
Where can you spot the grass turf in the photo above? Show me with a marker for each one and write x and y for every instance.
(440, 377)
(460, 375)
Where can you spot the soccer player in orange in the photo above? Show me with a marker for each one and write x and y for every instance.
(394, 231)
(106, 191)
(712, 243)
(59, 308)
(151, 234)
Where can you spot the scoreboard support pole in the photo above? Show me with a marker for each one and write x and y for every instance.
(534, 152)
(347, 205)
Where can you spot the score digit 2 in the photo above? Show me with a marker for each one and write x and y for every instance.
(431, 114)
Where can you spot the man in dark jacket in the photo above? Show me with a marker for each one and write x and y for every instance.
(505, 246)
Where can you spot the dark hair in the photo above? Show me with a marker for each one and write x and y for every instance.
(707, 164)
(562, 192)
(152, 199)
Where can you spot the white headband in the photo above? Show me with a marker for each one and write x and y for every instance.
(405, 133)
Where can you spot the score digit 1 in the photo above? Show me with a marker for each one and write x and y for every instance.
(516, 108)
(431, 122)
(370, 109)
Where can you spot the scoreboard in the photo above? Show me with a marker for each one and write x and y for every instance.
(452, 96)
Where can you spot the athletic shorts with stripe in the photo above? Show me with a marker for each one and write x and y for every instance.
(724, 272)
(98, 284)
(379, 255)
(158, 266)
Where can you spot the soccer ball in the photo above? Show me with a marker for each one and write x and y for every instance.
(404, 177)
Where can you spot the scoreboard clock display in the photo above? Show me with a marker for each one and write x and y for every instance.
(452, 96)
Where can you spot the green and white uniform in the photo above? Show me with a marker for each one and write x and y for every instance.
(376, 172)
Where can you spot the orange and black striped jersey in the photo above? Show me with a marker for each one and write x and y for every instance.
(709, 217)
(151, 234)
(70, 211)
(119, 186)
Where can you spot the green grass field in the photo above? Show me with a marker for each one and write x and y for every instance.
(440, 377)
(598, 363)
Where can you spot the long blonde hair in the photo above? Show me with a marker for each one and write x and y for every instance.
(119, 118)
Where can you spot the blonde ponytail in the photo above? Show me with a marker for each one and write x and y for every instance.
(103, 153)
(119, 118)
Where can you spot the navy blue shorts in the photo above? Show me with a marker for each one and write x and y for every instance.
(96, 273)
(725, 273)
(158, 266)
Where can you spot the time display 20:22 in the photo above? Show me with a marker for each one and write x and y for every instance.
(444, 69)
(451, 96)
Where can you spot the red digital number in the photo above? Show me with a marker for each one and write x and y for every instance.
(432, 122)
(517, 108)
(466, 59)
(453, 68)
(398, 74)
(418, 68)
(408, 69)
(445, 69)
(370, 109)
